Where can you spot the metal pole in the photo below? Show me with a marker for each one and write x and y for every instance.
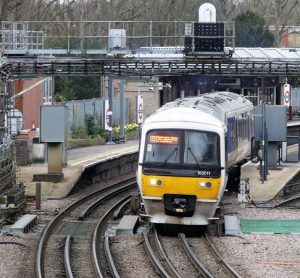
(68, 27)
(181, 93)
(150, 33)
(264, 161)
(38, 194)
(136, 104)
(2, 110)
(110, 98)
(122, 107)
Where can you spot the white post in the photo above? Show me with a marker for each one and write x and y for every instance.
(284, 151)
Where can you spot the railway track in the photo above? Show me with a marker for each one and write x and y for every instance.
(64, 249)
(207, 262)
(163, 266)
(292, 202)
(207, 259)
(76, 243)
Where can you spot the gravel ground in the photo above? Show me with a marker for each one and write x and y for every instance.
(131, 258)
(260, 255)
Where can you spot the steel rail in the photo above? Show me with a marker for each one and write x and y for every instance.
(111, 264)
(51, 225)
(197, 263)
(97, 202)
(170, 266)
(67, 262)
(286, 202)
(218, 256)
(95, 238)
(154, 260)
(118, 211)
(108, 255)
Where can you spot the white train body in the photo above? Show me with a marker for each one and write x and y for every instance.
(187, 149)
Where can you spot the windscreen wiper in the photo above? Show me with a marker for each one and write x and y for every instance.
(169, 156)
(190, 149)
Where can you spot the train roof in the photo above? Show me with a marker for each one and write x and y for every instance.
(213, 105)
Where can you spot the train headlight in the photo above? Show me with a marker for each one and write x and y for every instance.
(155, 182)
(205, 184)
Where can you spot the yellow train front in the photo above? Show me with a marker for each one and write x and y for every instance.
(186, 152)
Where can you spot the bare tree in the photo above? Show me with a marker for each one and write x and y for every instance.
(285, 14)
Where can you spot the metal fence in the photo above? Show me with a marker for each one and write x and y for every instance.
(79, 109)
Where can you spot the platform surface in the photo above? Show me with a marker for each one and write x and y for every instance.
(276, 180)
(77, 160)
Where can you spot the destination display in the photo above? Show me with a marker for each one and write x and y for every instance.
(156, 139)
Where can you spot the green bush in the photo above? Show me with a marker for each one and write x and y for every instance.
(78, 131)
(94, 131)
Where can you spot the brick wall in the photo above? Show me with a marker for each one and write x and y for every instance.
(29, 103)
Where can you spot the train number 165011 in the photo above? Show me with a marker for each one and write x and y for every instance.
(203, 173)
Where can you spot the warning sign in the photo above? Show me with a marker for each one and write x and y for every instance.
(286, 94)
(140, 109)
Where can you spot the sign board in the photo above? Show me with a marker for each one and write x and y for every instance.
(53, 123)
(139, 109)
(106, 113)
(286, 94)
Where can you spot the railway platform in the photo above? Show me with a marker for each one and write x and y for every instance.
(78, 160)
(277, 179)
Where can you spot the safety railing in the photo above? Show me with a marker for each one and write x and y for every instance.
(107, 36)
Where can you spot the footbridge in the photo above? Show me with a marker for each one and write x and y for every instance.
(136, 48)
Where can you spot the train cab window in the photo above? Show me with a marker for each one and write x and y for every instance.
(162, 147)
(200, 148)
(181, 150)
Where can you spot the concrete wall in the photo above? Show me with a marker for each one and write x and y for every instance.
(108, 170)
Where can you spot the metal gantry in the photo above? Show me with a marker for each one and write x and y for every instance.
(145, 67)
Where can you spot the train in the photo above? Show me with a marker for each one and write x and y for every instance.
(188, 150)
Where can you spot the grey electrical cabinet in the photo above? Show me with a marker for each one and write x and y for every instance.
(53, 123)
(276, 123)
